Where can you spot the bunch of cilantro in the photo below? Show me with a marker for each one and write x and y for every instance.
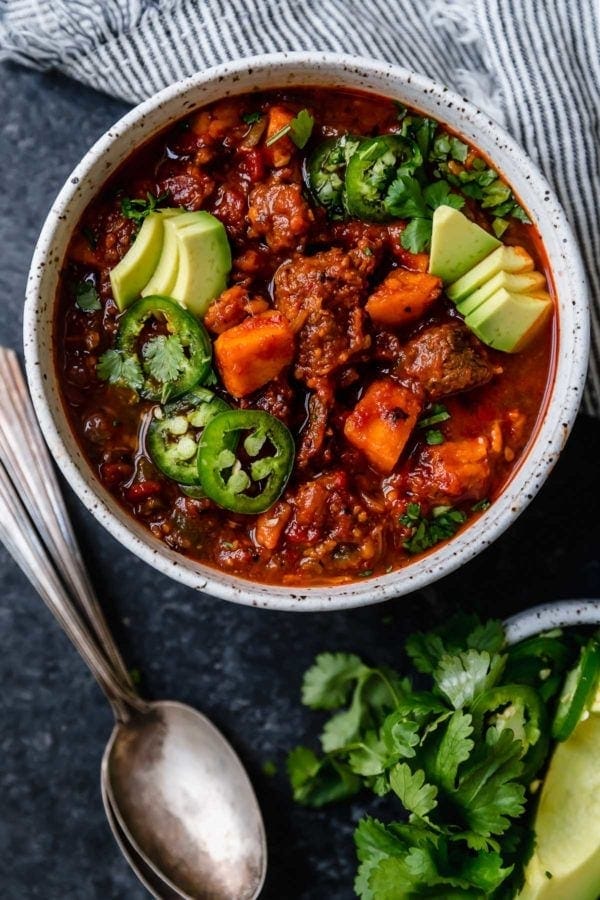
(446, 177)
(461, 776)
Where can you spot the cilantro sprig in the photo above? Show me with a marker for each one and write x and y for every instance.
(116, 367)
(299, 129)
(138, 208)
(460, 776)
(87, 297)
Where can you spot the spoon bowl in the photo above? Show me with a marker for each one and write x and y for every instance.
(183, 800)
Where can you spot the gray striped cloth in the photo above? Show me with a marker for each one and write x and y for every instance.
(533, 65)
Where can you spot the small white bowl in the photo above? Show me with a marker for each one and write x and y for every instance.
(546, 616)
(328, 70)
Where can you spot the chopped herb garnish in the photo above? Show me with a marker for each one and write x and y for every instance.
(252, 118)
(164, 358)
(479, 507)
(116, 368)
(434, 436)
(366, 573)
(367, 251)
(87, 297)
(137, 209)
(437, 414)
(299, 129)
(427, 532)
(407, 199)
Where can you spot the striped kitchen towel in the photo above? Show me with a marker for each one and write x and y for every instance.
(534, 65)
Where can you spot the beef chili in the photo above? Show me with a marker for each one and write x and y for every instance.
(328, 414)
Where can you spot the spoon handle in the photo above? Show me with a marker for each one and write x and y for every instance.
(26, 459)
(19, 536)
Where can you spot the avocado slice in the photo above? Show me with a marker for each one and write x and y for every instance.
(457, 244)
(507, 321)
(204, 263)
(523, 283)
(504, 259)
(164, 276)
(131, 273)
(565, 864)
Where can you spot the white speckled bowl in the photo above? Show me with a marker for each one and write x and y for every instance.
(308, 69)
(559, 614)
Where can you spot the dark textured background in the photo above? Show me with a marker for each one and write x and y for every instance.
(241, 666)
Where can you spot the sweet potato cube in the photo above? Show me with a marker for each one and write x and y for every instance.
(382, 421)
(403, 297)
(458, 470)
(279, 153)
(250, 354)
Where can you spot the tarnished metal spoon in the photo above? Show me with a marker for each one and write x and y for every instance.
(177, 797)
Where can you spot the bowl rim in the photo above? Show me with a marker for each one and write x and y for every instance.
(562, 399)
(546, 616)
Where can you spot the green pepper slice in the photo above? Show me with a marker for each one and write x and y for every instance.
(172, 363)
(326, 169)
(263, 442)
(514, 706)
(374, 165)
(578, 691)
(520, 708)
(174, 432)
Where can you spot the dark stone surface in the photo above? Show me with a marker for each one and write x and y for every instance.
(242, 667)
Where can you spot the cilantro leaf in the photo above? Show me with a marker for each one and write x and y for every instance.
(461, 678)
(417, 797)
(424, 650)
(489, 793)
(437, 414)
(164, 358)
(444, 522)
(117, 368)
(400, 735)
(318, 781)
(137, 208)
(251, 118)
(328, 682)
(405, 199)
(439, 194)
(87, 297)
(485, 871)
(453, 749)
(434, 436)
(370, 756)
(299, 129)
(416, 236)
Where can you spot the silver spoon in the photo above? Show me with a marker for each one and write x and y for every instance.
(177, 797)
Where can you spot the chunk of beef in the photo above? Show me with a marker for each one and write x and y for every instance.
(322, 297)
(278, 212)
(189, 187)
(231, 308)
(313, 435)
(446, 359)
(276, 398)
